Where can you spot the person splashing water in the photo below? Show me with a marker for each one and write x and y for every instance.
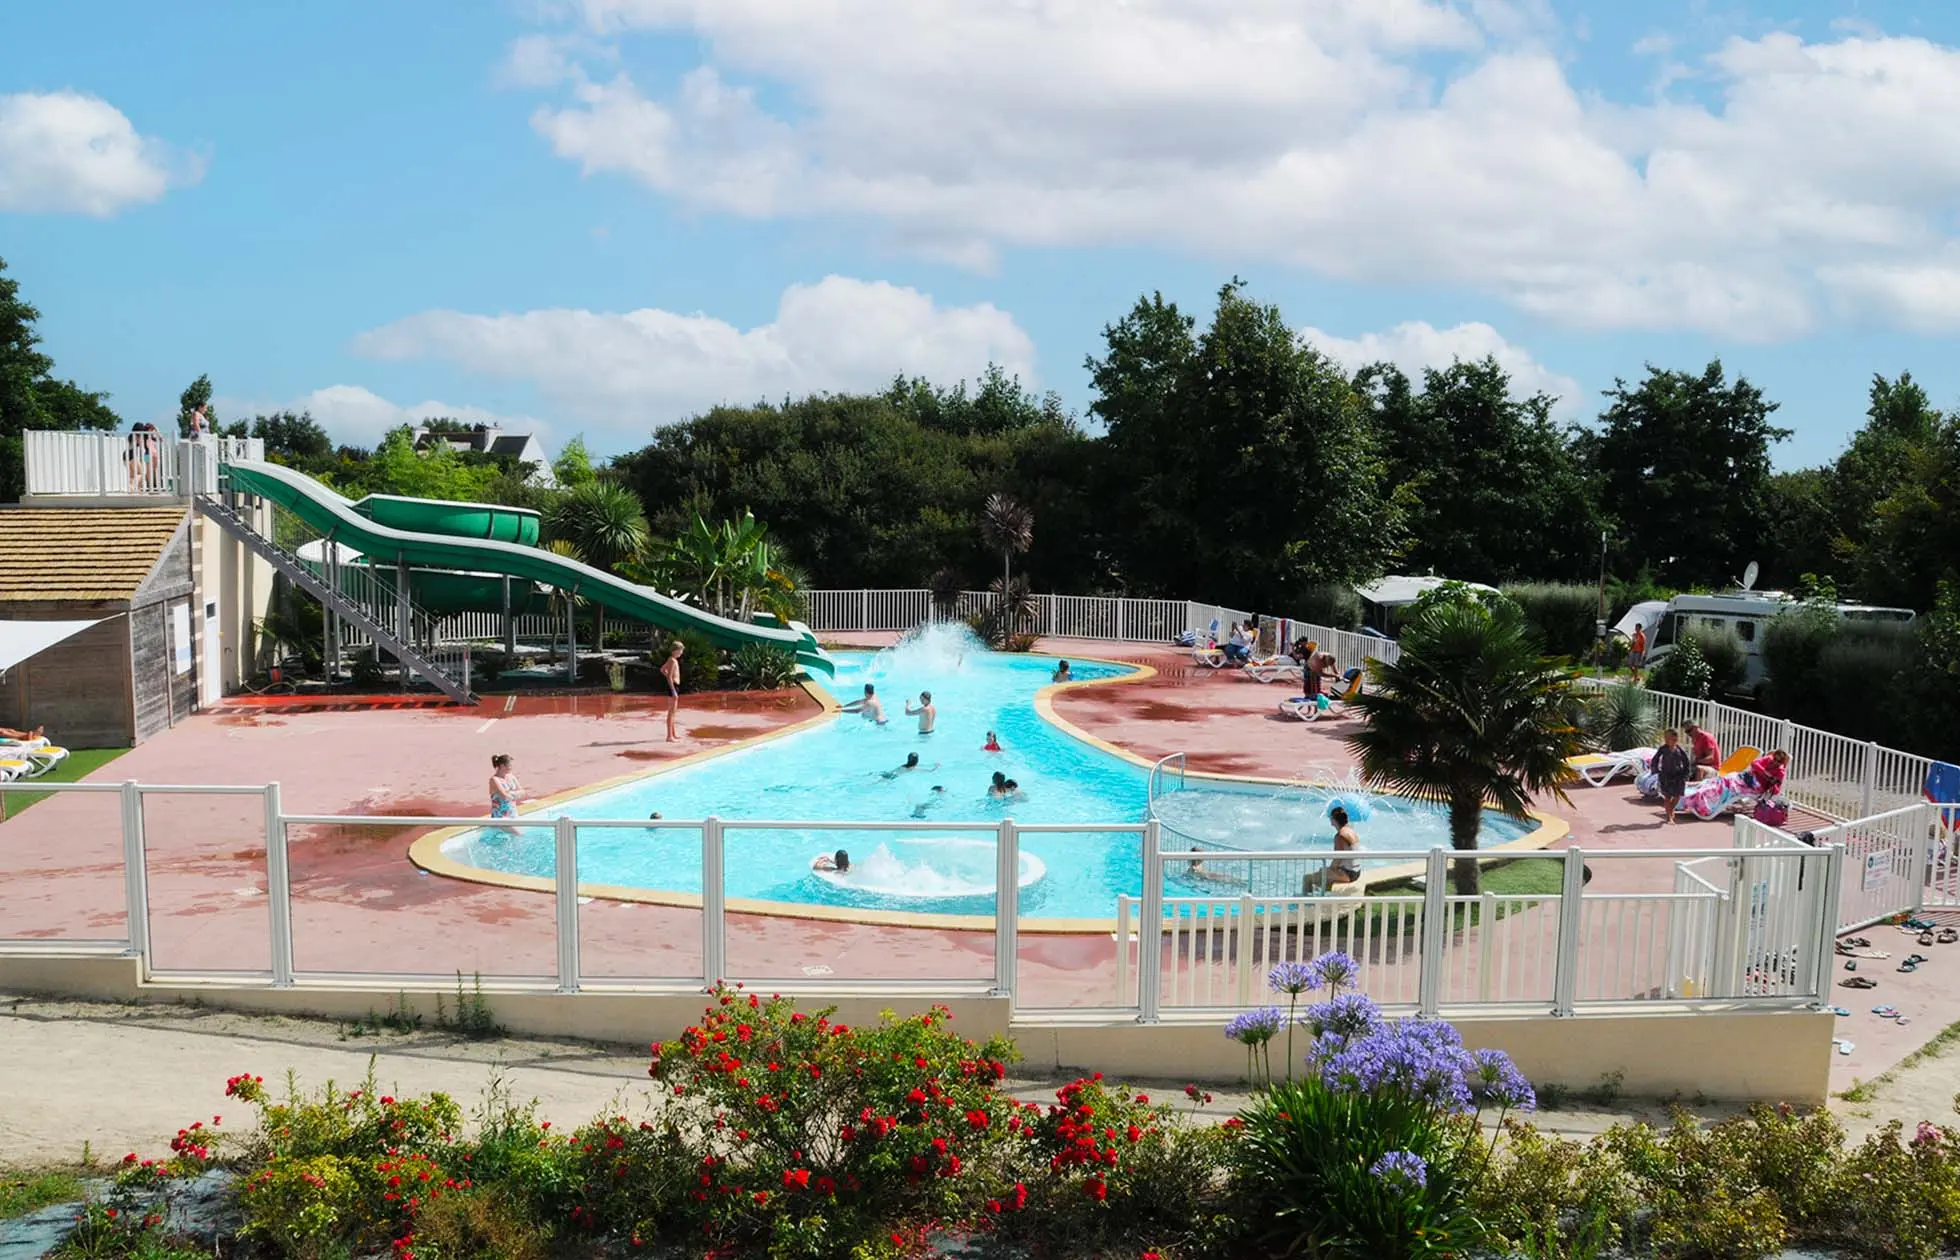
(839, 862)
(870, 708)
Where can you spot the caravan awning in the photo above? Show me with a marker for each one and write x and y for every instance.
(22, 639)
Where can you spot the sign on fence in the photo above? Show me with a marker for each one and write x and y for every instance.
(1878, 870)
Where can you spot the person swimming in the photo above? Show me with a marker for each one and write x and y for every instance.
(931, 802)
(1061, 674)
(911, 763)
(839, 861)
(992, 744)
(998, 787)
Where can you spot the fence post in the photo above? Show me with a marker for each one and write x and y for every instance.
(714, 904)
(1571, 919)
(136, 878)
(278, 889)
(1122, 621)
(1244, 934)
(1007, 909)
(1829, 894)
(1435, 928)
(1924, 830)
(1150, 926)
(864, 610)
(1122, 949)
(1870, 779)
(565, 833)
(1486, 944)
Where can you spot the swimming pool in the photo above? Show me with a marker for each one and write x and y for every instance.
(849, 769)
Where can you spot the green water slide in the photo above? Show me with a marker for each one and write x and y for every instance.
(476, 539)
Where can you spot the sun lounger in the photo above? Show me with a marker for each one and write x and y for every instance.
(1208, 657)
(39, 755)
(1599, 769)
(1739, 760)
(1274, 669)
(1309, 710)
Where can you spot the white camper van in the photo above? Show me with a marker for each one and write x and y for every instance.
(1746, 614)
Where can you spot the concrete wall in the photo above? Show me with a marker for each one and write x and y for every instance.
(240, 584)
(79, 688)
(1728, 1054)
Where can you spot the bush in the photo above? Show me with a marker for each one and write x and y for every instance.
(1727, 657)
(700, 664)
(1565, 615)
(1621, 716)
(1864, 673)
(1334, 606)
(1683, 672)
(763, 667)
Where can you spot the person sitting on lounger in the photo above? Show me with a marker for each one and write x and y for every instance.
(1766, 772)
(8, 732)
(1238, 648)
(1706, 752)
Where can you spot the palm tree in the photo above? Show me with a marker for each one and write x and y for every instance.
(1007, 527)
(603, 521)
(1472, 715)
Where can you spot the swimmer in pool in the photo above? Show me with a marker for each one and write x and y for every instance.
(839, 861)
(654, 816)
(870, 708)
(925, 712)
(911, 763)
(1061, 674)
(998, 787)
(931, 802)
(1012, 791)
(992, 744)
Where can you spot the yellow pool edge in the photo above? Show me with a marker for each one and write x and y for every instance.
(426, 851)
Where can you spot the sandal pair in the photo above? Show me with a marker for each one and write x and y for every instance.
(1859, 982)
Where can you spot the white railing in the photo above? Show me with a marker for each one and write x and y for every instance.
(1830, 775)
(1753, 930)
(128, 465)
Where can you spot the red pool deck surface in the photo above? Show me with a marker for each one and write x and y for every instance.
(361, 906)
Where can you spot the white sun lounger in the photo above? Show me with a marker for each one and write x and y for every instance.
(39, 755)
(1309, 710)
(1273, 669)
(1600, 769)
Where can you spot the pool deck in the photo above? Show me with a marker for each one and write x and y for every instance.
(360, 905)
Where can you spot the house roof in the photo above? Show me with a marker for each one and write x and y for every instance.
(1393, 591)
(81, 553)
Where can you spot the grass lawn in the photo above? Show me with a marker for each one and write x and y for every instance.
(29, 1190)
(79, 763)
(1526, 877)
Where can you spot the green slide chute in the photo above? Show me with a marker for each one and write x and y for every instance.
(472, 539)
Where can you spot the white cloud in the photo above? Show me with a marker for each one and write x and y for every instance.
(1417, 345)
(628, 372)
(356, 416)
(1311, 132)
(67, 152)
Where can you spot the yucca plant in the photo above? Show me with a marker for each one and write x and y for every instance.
(1621, 716)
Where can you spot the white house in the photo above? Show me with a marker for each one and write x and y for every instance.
(526, 448)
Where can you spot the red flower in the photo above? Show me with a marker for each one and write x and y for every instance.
(1096, 1189)
(796, 1178)
(977, 1119)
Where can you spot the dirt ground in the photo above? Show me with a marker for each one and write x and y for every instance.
(122, 1078)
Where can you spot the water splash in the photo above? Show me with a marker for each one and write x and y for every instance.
(940, 650)
(930, 870)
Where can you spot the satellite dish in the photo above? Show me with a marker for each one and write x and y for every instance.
(1749, 576)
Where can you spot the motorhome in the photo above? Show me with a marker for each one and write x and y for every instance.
(1746, 614)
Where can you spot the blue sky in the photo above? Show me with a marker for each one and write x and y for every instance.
(606, 215)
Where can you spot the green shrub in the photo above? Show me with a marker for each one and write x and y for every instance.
(1331, 605)
(700, 664)
(306, 1206)
(1621, 716)
(1544, 1188)
(1565, 615)
(1861, 673)
(1684, 671)
(1701, 1200)
(1793, 647)
(763, 667)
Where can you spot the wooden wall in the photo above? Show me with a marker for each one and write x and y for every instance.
(79, 688)
(163, 697)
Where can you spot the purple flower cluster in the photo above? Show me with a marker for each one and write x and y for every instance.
(1403, 1170)
(1255, 1027)
(1342, 1018)
(1333, 972)
(1496, 1082)
(1293, 978)
(1421, 1058)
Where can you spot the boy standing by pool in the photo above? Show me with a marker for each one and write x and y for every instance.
(926, 713)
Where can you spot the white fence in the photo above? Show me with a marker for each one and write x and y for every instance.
(128, 465)
(1106, 617)
(1752, 931)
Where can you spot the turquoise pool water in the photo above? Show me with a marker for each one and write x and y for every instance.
(848, 770)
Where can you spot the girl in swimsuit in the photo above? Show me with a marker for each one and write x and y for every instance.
(505, 790)
(670, 669)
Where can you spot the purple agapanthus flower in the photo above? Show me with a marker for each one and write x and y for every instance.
(1403, 1170)
(1334, 972)
(1496, 1081)
(1293, 978)
(1255, 1027)
(1342, 1018)
(1422, 1058)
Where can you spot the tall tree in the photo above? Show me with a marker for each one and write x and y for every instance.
(1246, 458)
(292, 439)
(1681, 466)
(30, 396)
(196, 394)
(1466, 449)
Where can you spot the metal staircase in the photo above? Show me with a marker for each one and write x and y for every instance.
(302, 575)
